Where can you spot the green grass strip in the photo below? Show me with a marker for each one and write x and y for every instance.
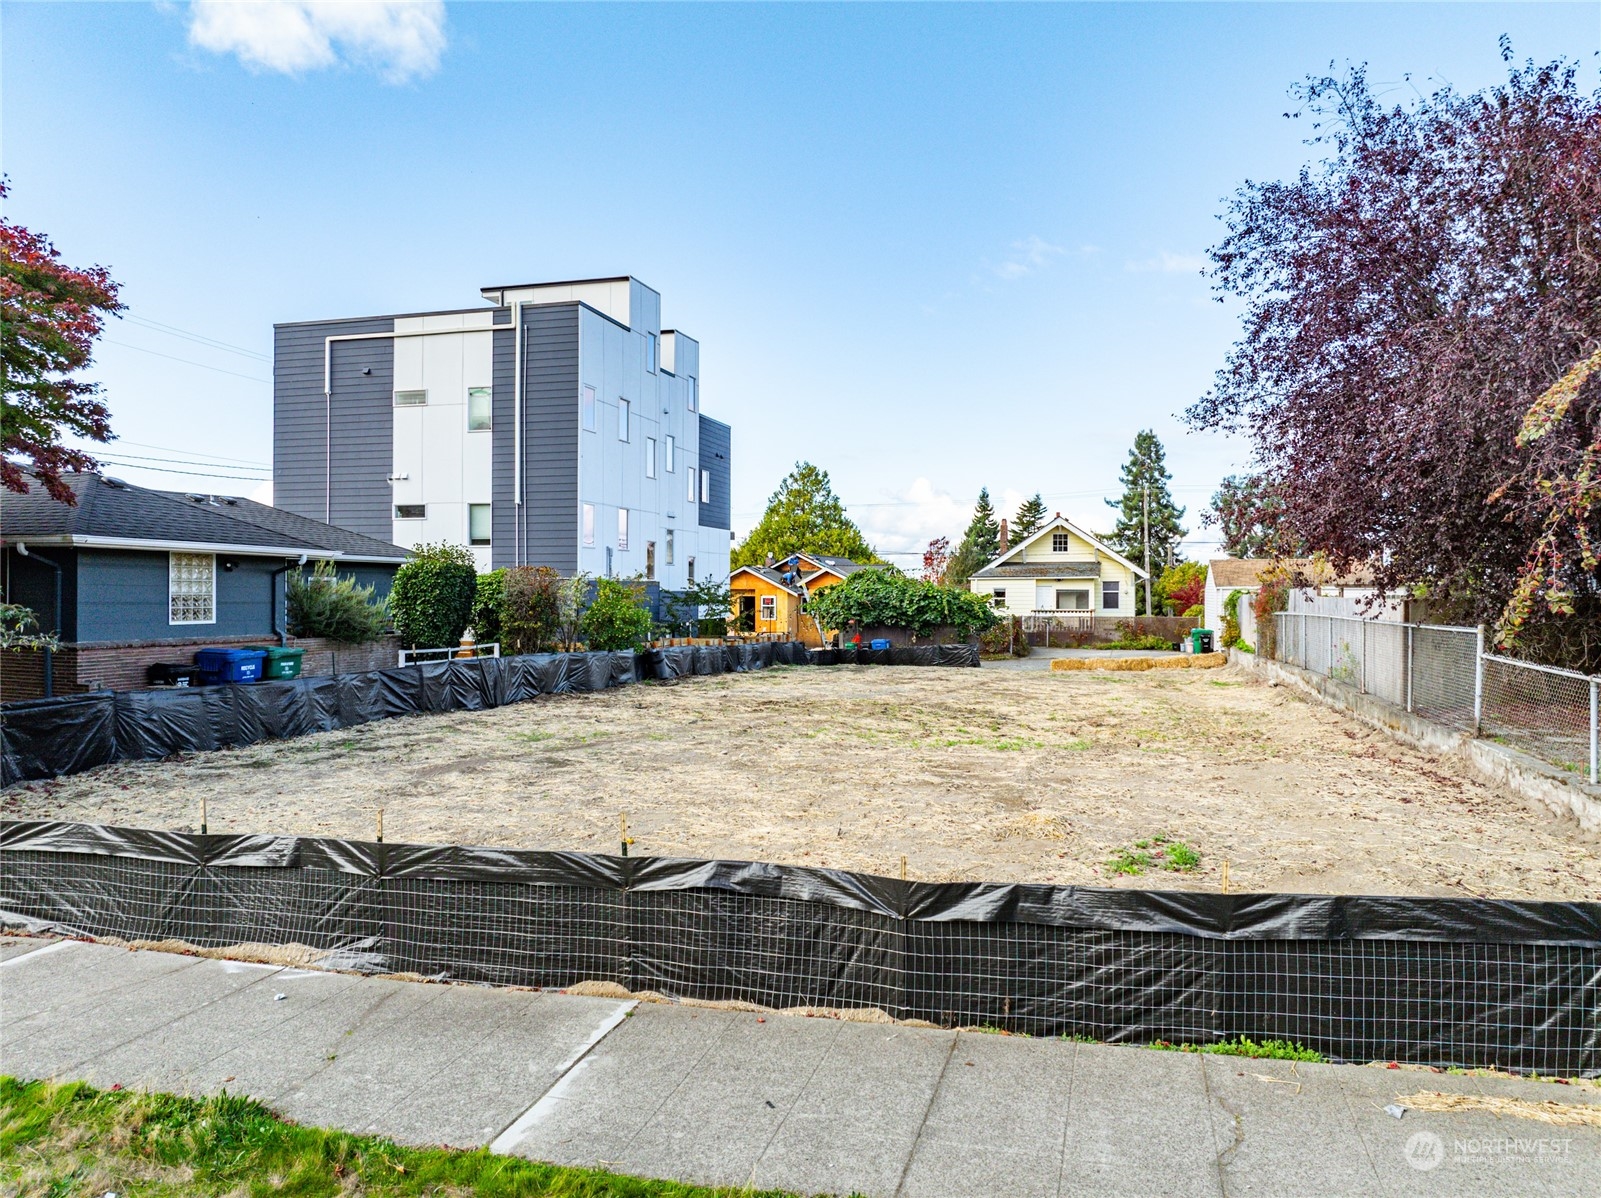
(59, 1140)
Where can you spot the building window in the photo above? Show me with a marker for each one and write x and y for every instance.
(1060, 542)
(478, 409)
(998, 597)
(1074, 600)
(651, 349)
(589, 524)
(671, 445)
(705, 486)
(669, 546)
(769, 608)
(622, 419)
(692, 570)
(191, 588)
(411, 511)
(691, 478)
(410, 399)
(650, 457)
(478, 523)
(588, 408)
(1111, 595)
(694, 395)
(622, 528)
(650, 560)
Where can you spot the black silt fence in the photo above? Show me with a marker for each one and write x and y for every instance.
(1466, 982)
(47, 738)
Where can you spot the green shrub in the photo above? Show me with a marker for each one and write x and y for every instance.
(432, 600)
(19, 629)
(488, 596)
(700, 609)
(1005, 639)
(1231, 619)
(885, 597)
(326, 605)
(617, 617)
(530, 609)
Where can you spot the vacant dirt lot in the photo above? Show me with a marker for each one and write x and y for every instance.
(971, 774)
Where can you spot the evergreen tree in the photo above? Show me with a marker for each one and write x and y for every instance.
(1029, 520)
(980, 543)
(1146, 470)
(804, 516)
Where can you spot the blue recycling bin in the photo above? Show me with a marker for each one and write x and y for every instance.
(229, 665)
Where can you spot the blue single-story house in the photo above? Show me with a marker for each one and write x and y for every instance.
(131, 567)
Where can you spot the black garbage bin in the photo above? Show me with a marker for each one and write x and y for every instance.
(167, 673)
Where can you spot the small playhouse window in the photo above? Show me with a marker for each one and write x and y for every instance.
(769, 608)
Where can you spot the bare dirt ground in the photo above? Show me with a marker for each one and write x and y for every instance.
(971, 774)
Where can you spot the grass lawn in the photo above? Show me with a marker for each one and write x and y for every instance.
(61, 1140)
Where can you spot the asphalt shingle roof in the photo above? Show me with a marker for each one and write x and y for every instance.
(1043, 570)
(121, 511)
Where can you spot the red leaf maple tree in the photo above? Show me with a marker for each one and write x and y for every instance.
(50, 315)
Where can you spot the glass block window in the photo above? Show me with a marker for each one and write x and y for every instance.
(191, 588)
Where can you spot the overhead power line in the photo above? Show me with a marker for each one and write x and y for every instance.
(134, 457)
(187, 361)
(197, 338)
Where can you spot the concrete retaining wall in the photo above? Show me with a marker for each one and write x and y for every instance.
(1521, 773)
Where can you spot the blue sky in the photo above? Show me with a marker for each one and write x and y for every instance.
(927, 247)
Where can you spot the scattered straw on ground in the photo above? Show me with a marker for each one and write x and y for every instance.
(1561, 1114)
(1184, 661)
(987, 774)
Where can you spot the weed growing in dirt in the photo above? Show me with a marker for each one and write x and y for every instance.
(73, 1139)
(534, 737)
(1272, 1050)
(1159, 852)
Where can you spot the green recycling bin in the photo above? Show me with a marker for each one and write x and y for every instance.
(280, 663)
(1201, 641)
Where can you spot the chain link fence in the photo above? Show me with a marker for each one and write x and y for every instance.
(1444, 674)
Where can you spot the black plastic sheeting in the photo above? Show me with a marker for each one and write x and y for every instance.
(47, 738)
(1467, 982)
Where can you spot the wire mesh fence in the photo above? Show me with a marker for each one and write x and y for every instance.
(1434, 981)
(1443, 674)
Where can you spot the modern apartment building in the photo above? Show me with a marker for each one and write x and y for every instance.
(558, 426)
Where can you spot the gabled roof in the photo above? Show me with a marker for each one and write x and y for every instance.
(1061, 524)
(843, 566)
(769, 576)
(117, 515)
(1236, 573)
(1043, 570)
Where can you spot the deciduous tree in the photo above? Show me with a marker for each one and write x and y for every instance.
(937, 560)
(50, 315)
(1407, 296)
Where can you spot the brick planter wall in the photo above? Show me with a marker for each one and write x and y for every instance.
(121, 665)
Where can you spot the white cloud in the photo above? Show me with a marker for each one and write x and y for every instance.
(400, 39)
(902, 525)
(1170, 264)
(1026, 257)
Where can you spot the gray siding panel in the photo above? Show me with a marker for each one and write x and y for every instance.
(300, 458)
(503, 530)
(550, 437)
(715, 453)
(122, 596)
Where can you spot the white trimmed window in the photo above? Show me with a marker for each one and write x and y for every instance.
(694, 395)
(671, 445)
(478, 523)
(622, 528)
(650, 457)
(652, 352)
(589, 524)
(705, 486)
(622, 419)
(769, 608)
(411, 511)
(669, 546)
(998, 597)
(479, 409)
(191, 588)
(410, 399)
(1111, 595)
(691, 479)
(588, 407)
(1061, 542)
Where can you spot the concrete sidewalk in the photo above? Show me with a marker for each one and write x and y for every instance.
(718, 1097)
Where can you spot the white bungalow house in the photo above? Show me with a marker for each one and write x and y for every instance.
(1060, 570)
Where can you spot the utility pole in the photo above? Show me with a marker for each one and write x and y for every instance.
(1145, 522)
